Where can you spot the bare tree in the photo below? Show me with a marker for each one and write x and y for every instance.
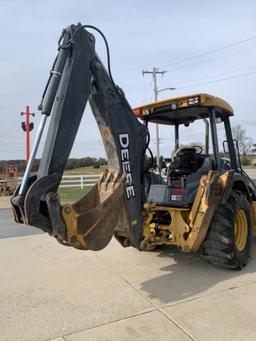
(254, 148)
(244, 141)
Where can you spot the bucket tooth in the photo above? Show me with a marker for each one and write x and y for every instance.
(92, 220)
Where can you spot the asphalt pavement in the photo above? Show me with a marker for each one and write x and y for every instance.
(9, 229)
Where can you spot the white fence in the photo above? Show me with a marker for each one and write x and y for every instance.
(81, 181)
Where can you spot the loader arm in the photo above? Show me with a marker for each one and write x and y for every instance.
(114, 204)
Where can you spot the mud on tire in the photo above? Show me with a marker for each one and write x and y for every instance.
(227, 244)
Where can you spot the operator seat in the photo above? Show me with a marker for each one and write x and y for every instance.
(185, 161)
(194, 178)
(180, 189)
(185, 173)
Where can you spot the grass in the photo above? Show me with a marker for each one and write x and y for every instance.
(85, 170)
(77, 171)
(72, 194)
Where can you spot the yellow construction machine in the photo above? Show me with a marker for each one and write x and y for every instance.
(204, 202)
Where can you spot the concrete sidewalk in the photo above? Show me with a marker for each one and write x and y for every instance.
(5, 202)
(52, 292)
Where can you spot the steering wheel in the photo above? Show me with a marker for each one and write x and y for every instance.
(198, 149)
(193, 149)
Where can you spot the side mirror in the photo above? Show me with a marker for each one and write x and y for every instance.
(225, 147)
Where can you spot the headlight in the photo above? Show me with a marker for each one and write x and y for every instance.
(193, 100)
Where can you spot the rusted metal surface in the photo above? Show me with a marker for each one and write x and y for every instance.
(91, 221)
(8, 180)
(7, 187)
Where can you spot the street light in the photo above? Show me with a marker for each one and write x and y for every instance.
(164, 89)
(154, 74)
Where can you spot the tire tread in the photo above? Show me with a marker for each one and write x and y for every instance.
(218, 247)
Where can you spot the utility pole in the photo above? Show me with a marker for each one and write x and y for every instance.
(27, 127)
(154, 73)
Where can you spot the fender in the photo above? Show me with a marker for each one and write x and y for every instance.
(236, 181)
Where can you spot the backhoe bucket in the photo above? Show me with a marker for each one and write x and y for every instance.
(91, 221)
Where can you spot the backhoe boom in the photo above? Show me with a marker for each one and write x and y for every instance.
(115, 203)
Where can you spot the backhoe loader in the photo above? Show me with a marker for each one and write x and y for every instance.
(205, 203)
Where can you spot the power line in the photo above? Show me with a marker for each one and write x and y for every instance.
(210, 51)
(220, 74)
(215, 58)
(216, 80)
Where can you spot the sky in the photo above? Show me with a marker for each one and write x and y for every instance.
(141, 35)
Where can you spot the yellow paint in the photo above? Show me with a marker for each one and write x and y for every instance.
(188, 227)
(182, 102)
(176, 228)
(241, 230)
(70, 218)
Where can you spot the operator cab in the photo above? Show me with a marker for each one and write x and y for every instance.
(189, 162)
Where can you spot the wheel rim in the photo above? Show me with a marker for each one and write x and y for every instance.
(241, 230)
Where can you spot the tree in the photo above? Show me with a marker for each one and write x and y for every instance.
(244, 141)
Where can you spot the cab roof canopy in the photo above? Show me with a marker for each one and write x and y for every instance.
(183, 110)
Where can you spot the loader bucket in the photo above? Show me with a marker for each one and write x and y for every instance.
(91, 221)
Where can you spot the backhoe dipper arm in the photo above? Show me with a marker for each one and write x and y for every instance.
(114, 204)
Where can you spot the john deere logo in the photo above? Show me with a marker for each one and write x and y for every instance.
(126, 166)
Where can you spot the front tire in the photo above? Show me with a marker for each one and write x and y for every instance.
(229, 239)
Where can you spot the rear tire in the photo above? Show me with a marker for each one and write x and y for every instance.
(229, 239)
